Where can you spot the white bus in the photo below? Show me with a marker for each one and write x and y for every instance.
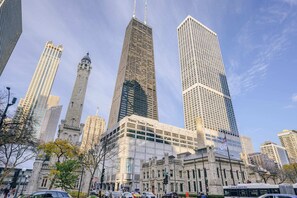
(257, 189)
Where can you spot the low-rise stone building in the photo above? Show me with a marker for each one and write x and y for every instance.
(207, 171)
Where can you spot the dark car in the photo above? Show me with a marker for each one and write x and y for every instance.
(170, 195)
(50, 194)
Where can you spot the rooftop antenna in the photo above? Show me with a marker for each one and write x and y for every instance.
(145, 12)
(97, 111)
(134, 9)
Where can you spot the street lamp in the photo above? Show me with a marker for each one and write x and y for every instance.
(8, 105)
(20, 180)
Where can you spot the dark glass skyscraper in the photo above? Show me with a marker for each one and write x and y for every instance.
(10, 28)
(135, 90)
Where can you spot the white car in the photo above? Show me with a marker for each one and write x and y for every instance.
(127, 195)
(278, 196)
(148, 195)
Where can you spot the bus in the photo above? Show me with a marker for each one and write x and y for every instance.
(258, 189)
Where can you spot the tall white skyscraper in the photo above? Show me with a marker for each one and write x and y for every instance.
(35, 102)
(51, 119)
(204, 85)
(288, 139)
(93, 129)
(275, 152)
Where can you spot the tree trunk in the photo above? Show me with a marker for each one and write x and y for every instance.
(90, 182)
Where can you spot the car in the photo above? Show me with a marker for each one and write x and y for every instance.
(127, 195)
(148, 195)
(115, 194)
(136, 195)
(170, 195)
(278, 196)
(50, 194)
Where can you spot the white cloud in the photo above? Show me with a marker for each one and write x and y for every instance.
(294, 97)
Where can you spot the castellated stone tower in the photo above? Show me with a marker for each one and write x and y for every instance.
(71, 128)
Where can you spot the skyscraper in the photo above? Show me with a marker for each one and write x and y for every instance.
(288, 139)
(71, 128)
(275, 152)
(51, 119)
(204, 85)
(247, 147)
(35, 102)
(135, 90)
(93, 129)
(10, 28)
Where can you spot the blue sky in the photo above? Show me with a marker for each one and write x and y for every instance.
(257, 38)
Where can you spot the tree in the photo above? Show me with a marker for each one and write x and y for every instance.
(63, 153)
(95, 157)
(66, 174)
(17, 140)
(290, 170)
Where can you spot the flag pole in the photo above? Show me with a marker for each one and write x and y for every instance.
(231, 170)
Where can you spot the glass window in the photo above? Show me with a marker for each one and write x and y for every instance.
(253, 193)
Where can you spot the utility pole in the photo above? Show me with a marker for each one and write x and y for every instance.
(196, 177)
(231, 170)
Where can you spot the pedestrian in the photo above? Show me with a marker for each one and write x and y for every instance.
(6, 191)
(203, 195)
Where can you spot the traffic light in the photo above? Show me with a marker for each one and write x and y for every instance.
(102, 175)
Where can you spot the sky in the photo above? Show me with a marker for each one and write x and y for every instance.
(257, 38)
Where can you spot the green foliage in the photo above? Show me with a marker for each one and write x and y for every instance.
(74, 194)
(65, 174)
(60, 149)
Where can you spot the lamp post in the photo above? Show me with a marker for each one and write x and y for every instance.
(20, 180)
(7, 106)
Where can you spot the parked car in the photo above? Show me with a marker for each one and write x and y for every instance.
(50, 194)
(115, 194)
(148, 195)
(170, 195)
(136, 195)
(127, 195)
(278, 196)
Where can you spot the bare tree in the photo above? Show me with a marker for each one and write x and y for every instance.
(17, 143)
(94, 158)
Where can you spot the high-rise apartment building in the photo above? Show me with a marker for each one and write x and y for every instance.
(275, 152)
(35, 102)
(70, 129)
(93, 129)
(204, 85)
(247, 145)
(288, 139)
(10, 28)
(135, 90)
(50, 121)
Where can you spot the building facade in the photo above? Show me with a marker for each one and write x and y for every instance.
(275, 152)
(71, 128)
(288, 139)
(17, 178)
(204, 85)
(93, 129)
(247, 147)
(139, 138)
(51, 119)
(135, 89)
(35, 102)
(10, 28)
(204, 171)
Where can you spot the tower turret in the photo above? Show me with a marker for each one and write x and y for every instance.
(71, 128)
